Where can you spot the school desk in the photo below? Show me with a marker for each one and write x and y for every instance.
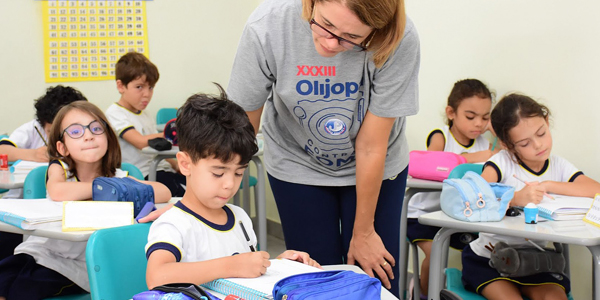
(574, 232)
(261, 206)
(414, 186)
(11, 181)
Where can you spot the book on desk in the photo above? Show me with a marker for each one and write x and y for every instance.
(30, 213)
(260, 288)
(564, 207)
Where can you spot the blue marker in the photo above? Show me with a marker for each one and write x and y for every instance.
(147, 209)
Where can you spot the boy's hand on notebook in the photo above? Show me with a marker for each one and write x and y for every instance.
(41, 154)
(250, 264)
(300, 256)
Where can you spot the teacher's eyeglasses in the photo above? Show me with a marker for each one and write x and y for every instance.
(320, 30)
(76, 131)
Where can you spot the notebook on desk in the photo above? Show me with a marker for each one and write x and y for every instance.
(24, 166)
(30, 213)
(260, 288)
(564, 207)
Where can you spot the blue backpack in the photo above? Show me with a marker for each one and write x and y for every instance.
(328, 285)
(473, 199)
(122, 189)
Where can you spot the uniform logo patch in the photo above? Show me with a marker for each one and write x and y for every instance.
(335, 126)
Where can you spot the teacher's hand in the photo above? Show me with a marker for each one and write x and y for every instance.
(368, 250)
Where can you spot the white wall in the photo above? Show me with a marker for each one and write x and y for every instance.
(545, 49)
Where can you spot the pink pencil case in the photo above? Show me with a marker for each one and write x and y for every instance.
(433, 165)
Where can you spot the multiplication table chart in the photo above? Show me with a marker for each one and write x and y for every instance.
(84, 39)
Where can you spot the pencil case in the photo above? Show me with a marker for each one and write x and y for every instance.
(123, 189)
(433, 165)
(327, 285)
(473, 199)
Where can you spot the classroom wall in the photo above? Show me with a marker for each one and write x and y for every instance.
(545, 49)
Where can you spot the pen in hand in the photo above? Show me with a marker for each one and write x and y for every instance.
(41, 136)
(247, 237)
(525, 182)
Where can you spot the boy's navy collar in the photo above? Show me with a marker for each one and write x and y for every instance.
(227, 226)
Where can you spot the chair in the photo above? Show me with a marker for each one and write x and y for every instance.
(34, 186)
(456, 291)
(457, 172)
(165, 115)
(116, 262)
(132, 170)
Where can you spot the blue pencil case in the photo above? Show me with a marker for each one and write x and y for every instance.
(123, 189)
(328, 285)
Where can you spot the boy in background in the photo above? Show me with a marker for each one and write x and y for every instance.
(28, 142)
(202, 238)
(136, 77)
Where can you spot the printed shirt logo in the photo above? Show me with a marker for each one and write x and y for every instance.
(328, 109)
(335, 126)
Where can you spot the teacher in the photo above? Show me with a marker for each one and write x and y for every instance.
(333, 81)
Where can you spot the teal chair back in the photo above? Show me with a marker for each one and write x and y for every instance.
(133, 170)
(461, 169)
(165, 115)
(116, 262)
(35, 183)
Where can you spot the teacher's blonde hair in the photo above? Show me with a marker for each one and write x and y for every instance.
(387, 17)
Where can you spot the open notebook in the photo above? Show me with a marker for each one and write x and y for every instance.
(260, 287)
(30, 213)
(564, 207)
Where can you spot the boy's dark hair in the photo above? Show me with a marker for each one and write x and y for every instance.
(508, 113)
(467, 88)
(215, 126)
(110, 161)
(48, 105)
(133, 65)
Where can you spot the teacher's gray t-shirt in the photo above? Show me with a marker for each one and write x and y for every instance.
(313, 105)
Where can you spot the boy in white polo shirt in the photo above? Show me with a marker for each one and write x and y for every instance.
(136, 76)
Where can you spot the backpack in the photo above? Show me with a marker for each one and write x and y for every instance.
(122, 189)
(433, 165)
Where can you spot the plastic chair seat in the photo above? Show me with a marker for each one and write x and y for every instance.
(34, 186)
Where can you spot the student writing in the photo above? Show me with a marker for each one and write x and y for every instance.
(468, 114)
(81, 147)
(202, 237)
(522, 126)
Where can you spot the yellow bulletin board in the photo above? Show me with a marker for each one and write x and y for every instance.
(84, 39)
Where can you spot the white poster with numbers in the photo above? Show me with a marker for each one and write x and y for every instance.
(84, 39)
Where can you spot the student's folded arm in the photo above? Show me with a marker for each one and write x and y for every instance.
(477, 157)
(162, 194)
(14, 153)
(61, 190)
(162, 268)
(437, 142)
(582, 186)
(138, 140)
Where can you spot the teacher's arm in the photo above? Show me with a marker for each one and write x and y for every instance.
(254, 117)
(366, 247)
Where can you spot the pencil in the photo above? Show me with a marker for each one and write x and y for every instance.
(41, 136)
(494, 144)
(536, 245)
(525, 182)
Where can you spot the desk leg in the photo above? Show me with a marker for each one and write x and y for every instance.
(436, 262)
(403, 259)
(261, 203)
(153, 167)
(595, 250)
